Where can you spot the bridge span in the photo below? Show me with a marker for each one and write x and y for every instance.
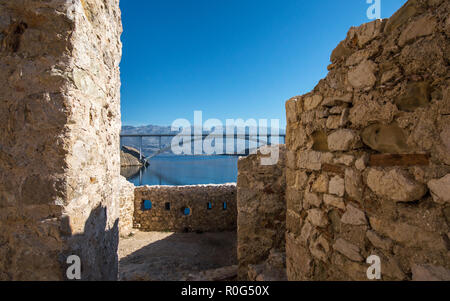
(260, 141)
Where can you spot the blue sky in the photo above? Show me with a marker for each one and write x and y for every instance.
(228, 58)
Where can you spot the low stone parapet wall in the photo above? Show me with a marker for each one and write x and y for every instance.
(206, 208)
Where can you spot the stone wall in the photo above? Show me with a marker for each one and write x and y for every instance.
(126, 207)
(368, 162)
(59, 137)
(168, 203)
(261, 215)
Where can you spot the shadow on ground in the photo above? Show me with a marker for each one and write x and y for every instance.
(157, 256)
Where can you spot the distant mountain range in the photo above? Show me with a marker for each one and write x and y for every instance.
(151, 145)
(146, 129)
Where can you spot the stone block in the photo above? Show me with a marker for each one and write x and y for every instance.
(363, 75)
(440, 189)
(395, 185)
(347, 249)
(385, 138)
(343, 140)
(317, 218)
(337, 186)
(354, 216)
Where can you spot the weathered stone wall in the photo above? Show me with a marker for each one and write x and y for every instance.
(126, 207)
(168, 204)
(368, 162)
(261, 214)
(59, 137)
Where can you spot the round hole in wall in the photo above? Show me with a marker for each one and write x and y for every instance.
(147, 205)
(186, 211)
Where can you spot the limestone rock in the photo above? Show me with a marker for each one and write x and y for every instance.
(408, 235)
(385, 138)
(416, 95)
(353, 184)
(410, 9)
(429, 272)
(357, 57)
(367, 32)
(390, 75)
(363, 76)
(334, 201)
(341, 51)
(345, 159)
(317, 218)
(379, 242)
(337, 100)
(306, 232)
(395, 185)
(354, 216)
(311, 200)
(362, 162)
(312, 102)
(366, 111)
(291, 110)
(343, 140)
(347, 249)
(424, 26)
(320, 248)
(391, 268)
(337, 186)
(313, 160)
(321, 184)
(440, 189)
(334, 122)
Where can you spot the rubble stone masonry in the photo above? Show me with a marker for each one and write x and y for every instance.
(126, 207)
(59, 138)
(261, 218)
(196, 208)
(368, 160)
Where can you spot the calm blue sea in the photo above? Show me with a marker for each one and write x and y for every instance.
(187, 170)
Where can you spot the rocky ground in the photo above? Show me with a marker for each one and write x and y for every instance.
(167, 256)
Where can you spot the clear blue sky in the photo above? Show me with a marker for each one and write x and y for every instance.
(228, 58)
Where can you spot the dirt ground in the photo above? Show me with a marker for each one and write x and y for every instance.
(157, 256)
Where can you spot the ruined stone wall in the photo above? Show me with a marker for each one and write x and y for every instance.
(368, 162)
(126, 206)
(261, 216)
(168, 203)
(59, 137)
